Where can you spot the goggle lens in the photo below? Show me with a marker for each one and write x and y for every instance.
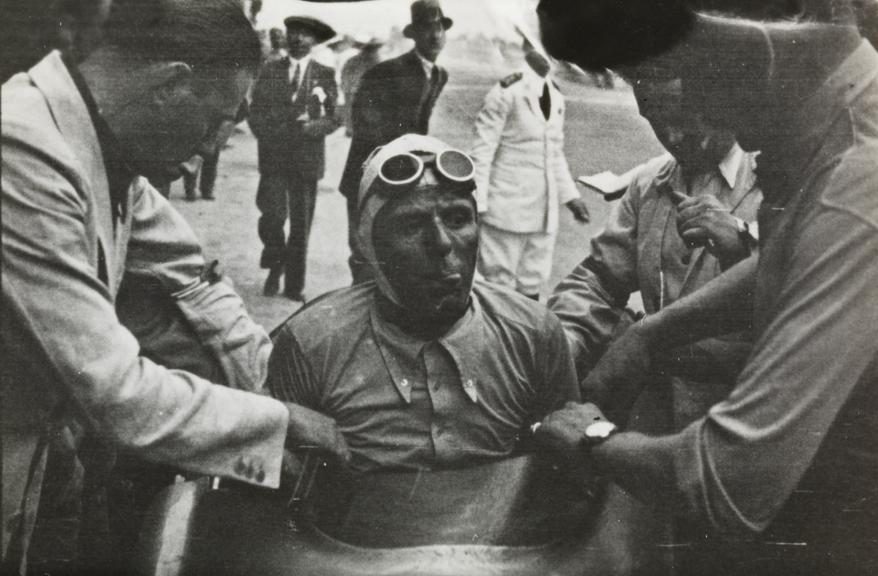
(455, 166)
(401, 169)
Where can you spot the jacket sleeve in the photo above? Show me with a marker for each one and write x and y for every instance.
(590, 301)
(263, 120)
(328, 123)
(489, 129)
(65, 315)
(374, 109)
(164, 248)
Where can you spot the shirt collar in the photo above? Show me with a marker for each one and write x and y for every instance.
(425, 64)
(730, 165)
(671, 177)
(401, 351)
(302, 62)
(533, 80)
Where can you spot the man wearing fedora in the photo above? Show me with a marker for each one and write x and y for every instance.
(395, 97)
(293, 111)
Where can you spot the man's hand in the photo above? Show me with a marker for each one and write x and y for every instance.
(579, 210)
(564, 430)
(705, 221)
(310, 429)
(617, 379)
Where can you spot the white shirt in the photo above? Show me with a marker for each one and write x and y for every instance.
(426, 64)
(302, 64)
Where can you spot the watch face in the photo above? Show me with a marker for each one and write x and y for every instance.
(600, 430)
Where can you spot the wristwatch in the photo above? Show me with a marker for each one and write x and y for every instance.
(598, 432)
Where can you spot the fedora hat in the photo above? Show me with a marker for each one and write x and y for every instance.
(426, 12)
(321, 31)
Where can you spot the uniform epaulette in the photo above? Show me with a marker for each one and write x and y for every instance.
(511, 79)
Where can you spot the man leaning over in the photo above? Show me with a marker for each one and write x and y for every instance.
(76, 143)
(783, 468)
(683, 220)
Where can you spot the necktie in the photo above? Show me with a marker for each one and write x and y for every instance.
(427, 99)
(546, 101)
(294, 83)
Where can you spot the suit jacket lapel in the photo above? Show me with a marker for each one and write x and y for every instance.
(74, 122)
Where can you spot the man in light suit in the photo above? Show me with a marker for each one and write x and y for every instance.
(395, 97)
(78, 214)
(292, 113)
(522, 176)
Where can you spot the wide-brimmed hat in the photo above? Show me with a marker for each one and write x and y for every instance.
(426, 12)
(364, 42)
(321, 31)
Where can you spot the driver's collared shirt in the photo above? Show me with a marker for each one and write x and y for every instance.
(405, 403)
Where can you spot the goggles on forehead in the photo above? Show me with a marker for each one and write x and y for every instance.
(405, 168)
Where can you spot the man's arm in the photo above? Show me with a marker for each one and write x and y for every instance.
(722, 306)
(489, 129)
(163, 248)
(806, 364)
(590, 302)
(65, 314)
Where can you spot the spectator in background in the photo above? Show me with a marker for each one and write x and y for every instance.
(277, 41)
(522, 176)
(395, 97)
(353, 70)
(293, 111)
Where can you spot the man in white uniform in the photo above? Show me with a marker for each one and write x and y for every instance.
(522, 176)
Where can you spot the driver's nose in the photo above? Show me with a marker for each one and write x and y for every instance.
(440, 240)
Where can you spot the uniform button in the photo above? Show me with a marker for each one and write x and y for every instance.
(260, 475)
(240, 467)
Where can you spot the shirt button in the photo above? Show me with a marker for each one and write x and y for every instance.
(404, 383)
(240, 467)
(260, 475)
(468, 384)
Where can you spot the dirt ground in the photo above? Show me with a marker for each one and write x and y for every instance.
(603, 132)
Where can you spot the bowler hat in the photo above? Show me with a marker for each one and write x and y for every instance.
(321, 31)
(425, 12)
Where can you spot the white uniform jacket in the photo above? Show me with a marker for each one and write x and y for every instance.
(521, 172)
(65, 354)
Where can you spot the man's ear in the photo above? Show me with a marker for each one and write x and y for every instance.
(166, 80)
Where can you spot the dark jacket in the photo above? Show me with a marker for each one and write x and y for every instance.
(388, 104)
(286, 142)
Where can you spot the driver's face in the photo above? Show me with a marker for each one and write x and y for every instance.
(426, 242)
